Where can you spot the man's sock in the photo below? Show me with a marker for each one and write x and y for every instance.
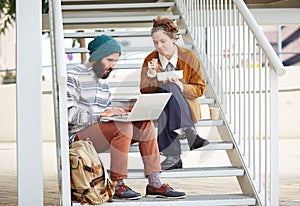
(154, 180)
(120, 182)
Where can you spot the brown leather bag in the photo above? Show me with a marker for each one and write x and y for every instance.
(89, 180)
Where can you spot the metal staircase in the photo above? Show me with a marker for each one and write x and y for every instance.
(199, 22)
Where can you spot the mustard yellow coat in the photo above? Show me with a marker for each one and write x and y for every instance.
(193, 79)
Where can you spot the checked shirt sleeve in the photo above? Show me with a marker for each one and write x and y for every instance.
(76, 116)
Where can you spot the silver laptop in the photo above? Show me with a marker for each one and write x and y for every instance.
(147, 107)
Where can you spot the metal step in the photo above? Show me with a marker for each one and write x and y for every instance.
(206, 101)
(128, 66)
(117, 6)
(97, 20)
(114, 19)
(125, 84)
(113, 34)
(201, 101)
(124, 49)
(191, 200)
(191, 172)
(185, 147)
(120, 65)
(127, 91)
(209, 123)
(107, 1)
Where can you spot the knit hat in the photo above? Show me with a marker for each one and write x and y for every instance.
(103, 46)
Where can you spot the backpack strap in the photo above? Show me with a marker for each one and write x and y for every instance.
(110, 188)
(96, 181)
(94, 170)
(82, 198)
(87, 168)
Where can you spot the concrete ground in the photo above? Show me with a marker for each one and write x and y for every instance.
(289, 179)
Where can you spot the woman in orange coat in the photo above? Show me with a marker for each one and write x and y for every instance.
(183, 109)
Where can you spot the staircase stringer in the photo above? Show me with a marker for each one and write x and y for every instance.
(234, 155)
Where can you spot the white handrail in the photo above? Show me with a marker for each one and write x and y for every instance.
(261, 38)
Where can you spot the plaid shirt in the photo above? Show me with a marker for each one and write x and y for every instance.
(87, 96)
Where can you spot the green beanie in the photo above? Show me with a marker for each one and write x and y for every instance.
(103, 46)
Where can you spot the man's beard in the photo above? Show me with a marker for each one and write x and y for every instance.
(100, 71)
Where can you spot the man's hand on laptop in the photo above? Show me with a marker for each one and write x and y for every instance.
(114, 111)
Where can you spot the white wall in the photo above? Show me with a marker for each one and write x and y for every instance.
(8, 113)
(7, 48)
(289, 103)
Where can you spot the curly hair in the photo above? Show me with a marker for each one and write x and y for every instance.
(166, 25)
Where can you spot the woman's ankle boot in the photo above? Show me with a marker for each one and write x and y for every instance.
(171, 162)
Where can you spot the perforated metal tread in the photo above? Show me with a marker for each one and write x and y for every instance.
(113, 34)
(124, 49)
(191, 200)
(201, 101)
(117, 6)
(114, 19)
(185, 147)
(209, 123)
(227, 171)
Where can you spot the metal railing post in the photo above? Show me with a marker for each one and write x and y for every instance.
(274, 153)
(60, 101)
